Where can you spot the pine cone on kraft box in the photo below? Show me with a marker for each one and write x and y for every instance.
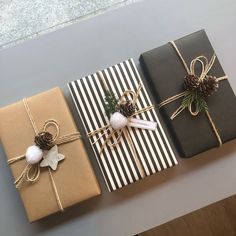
(44, 140)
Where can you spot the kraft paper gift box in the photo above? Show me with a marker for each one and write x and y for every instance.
(165, 72)
(74, 178)
(118, 164)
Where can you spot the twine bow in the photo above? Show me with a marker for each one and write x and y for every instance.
(206, 66)
(31, 173)
(113, 137)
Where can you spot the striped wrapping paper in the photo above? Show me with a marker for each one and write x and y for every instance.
(152, 147)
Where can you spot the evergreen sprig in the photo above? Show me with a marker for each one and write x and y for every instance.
(110, 99)
(110, 102)
(195, 98)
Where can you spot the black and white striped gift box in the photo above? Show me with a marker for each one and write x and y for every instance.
(152, 147)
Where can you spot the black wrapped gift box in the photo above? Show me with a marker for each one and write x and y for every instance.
(165, 71)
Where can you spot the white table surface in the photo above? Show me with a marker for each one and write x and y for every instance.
(56, 58)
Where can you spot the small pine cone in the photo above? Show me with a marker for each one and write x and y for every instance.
(191, 82)
(208, 86)
(127, 109)
(44, 140)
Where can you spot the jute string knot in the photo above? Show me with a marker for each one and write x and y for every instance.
(205, 66)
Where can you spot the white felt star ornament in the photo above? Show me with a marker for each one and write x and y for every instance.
(51, 158)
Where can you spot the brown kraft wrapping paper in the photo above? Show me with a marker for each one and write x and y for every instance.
(74, 177)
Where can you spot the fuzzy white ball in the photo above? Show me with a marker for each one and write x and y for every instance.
(118, 121)
(33, 154)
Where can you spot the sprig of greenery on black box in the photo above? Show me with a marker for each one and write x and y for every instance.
(195, 98)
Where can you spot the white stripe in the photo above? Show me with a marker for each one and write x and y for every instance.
(143, 131)
(98, 115)
(137, 131)
(124, 146)
(90, 127)
(155, 114)
(120, 153)
(150, 117)
(130, 130)
(102, 124)
(153, 139)
(76, 105)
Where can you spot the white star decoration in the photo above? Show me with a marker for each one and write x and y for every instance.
(51, 158)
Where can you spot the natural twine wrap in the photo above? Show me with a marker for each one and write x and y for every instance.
(113, 137)
(31, 173)
(205, 69)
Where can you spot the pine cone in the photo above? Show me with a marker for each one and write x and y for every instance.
(191, 82)
(208, 86)
(44, 140)
(127, 109)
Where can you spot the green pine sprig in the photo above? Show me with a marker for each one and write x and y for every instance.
(110, 102)
(195, 98)
(110, 99)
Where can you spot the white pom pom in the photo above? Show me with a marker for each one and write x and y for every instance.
(33, 154)
(118, 121)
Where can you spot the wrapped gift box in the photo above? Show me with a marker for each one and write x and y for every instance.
(165, 72)
(152, 147)
(75, 180)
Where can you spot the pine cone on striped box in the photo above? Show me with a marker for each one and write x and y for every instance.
(127, 109)
(208, 86)
(191, 82)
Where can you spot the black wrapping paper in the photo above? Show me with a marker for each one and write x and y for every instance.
(165, 72)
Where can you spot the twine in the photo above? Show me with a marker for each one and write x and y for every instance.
(205, 68)
(31, 173)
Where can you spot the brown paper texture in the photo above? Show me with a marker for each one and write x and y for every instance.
(74, 178)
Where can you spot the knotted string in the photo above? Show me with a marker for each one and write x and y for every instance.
(114, 136)
(205, 68)
(31, 173)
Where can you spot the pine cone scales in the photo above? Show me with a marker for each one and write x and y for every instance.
(127, 109)
(208, 86)
(191, 82)
(44, 140)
